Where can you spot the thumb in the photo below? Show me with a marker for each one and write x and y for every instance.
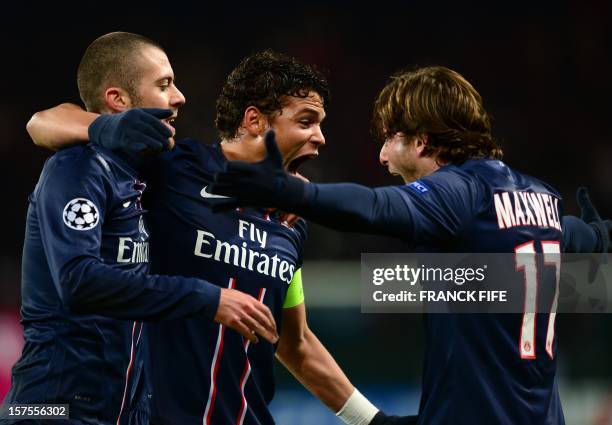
(587, 211)
(271, 147)
(158, 113)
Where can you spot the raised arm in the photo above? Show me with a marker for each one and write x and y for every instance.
(61, 126)
(135, 131)
(340, 206)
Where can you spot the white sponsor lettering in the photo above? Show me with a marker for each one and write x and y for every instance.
(208, 246)
(131, 251)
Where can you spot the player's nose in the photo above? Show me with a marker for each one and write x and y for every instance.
(382, 156)
(318, 138)
(178, 98)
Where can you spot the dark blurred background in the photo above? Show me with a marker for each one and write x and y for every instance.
(544, 73)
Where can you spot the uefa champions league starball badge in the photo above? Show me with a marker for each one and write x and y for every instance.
(81, 214)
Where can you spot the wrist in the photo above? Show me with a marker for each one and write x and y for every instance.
(294, 190)
(96, 128)
(357, 410)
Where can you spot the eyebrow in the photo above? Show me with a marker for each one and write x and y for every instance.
(168, 79)
(312, 111)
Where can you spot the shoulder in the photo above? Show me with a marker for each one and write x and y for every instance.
(540, 185)
(191, 146)
(192, 151)
(447, 180)
(78, 162)
(499, 175)
(77, 173)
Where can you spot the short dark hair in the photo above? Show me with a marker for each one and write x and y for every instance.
(262, 80)
(439, 102)
(110, 60)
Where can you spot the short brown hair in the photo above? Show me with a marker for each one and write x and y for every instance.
(439, 102)
(262, 80)
(110, 60)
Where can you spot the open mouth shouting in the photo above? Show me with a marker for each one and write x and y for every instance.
(297, 162)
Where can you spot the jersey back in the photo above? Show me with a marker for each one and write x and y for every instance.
(489, 368)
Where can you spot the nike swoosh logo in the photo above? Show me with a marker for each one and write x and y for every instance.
(205, 194)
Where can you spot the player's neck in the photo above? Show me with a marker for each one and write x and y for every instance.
(424, 168)
(243, 149)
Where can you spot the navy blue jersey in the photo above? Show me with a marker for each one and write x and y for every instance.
(84, 283)
(488, 368)
(479, 368)
(202, 372)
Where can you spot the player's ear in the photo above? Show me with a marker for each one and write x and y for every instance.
(116, 99)
(254, 121)
(420, 142)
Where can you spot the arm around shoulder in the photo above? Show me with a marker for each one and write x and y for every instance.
(60, 127)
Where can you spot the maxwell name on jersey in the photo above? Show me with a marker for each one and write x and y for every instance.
(208, 246)
(525, 208)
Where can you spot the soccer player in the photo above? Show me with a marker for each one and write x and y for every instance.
(86, 254)
(479, 368)
(202, 372)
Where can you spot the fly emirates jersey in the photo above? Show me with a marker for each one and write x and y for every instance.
(202, 372)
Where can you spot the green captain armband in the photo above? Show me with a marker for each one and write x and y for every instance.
(295, 293)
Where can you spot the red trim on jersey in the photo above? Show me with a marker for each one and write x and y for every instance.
(128, 372)
(214, 368)
(247, 371)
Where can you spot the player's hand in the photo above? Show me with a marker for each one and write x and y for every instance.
(137, 130)
(260, 184)
(289, 219)
(246, 315)
(382, 419)
(589, 214)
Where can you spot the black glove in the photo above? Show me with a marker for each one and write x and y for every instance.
(602, 228)
(134, 131)
(382, 419)
(589, 215)
(260, 184)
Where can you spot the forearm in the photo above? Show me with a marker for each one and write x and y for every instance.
(88, 286)
(60, 127)
(352, 207)
(316, 369)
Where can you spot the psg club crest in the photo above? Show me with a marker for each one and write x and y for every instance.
(81, 214)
